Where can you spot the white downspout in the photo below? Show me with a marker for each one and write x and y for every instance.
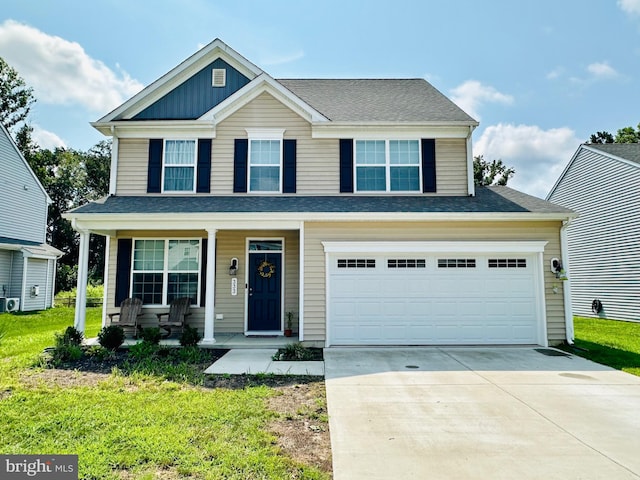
(566, 284)
(25, 272)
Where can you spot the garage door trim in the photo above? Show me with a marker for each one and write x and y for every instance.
(437, 247)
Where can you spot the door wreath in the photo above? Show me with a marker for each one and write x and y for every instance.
(266, 269)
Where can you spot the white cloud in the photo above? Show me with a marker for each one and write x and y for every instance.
(631, 7)
(602, 70)
(538, 156)
(274, 59)
(555, 73)
(61, 72)
(472, 94)
(46, 139)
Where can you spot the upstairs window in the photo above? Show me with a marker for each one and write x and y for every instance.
(265, 160)
(387, 165)
(179, 166)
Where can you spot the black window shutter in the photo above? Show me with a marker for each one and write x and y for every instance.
(428, 165)
(241, 151)
(154, 175)
(346, 165)
(203, 272)
(289, 160)
(123, 269)
(204, 166)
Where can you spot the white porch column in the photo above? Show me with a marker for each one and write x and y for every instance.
(209, 308)
(301, 286)
(83, 275)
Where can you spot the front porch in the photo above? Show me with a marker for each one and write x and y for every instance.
(222, 340)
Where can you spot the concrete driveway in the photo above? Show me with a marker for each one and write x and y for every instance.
(479, 413)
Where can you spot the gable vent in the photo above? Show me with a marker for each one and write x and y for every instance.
(219, 77)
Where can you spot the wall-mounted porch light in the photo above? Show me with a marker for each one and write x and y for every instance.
(233, 268)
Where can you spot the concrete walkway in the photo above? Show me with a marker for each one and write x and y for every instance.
(258, 360)
(480, 413)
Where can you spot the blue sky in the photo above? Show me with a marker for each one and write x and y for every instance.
(540, 76)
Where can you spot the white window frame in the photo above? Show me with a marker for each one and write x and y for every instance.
(270, 134)
(387, 166)
(165, 269)
(194, 165)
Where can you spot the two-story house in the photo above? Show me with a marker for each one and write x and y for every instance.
(27, 263)
(350, 203)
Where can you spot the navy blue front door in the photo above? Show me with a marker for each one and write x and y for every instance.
(265, 292)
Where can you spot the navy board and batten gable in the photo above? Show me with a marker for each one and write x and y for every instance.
(343, 198)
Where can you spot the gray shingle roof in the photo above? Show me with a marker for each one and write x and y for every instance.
(628, 151)
(377, 100)
(487, 200)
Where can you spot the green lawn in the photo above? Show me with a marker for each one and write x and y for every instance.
(138, 426)
(609, 342)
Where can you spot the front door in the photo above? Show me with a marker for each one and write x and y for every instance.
(264, 309)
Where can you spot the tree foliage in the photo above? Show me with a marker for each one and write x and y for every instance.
(623, 135)
(16, 98)
(491, 173)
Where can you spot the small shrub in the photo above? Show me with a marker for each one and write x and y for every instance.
(66, 353)
(143, 350)
(190, 337)
(111, 337)
(294, 351)
(151, 335)
(190, 354)
(72, 336)
(98, 352)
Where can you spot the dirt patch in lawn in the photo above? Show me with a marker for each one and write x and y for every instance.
(301, 426)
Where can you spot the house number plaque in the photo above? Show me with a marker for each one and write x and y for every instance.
(234, 286)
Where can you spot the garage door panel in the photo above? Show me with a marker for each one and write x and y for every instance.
(474, 304)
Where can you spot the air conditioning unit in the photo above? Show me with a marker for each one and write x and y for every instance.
(13, 304)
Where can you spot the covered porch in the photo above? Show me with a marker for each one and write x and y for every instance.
(245, 278)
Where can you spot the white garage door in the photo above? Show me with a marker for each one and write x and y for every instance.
(435, 299)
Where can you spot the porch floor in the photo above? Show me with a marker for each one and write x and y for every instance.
(223, 340)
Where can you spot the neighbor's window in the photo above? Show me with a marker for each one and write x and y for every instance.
(265, 160)
(179, 168)
(387, 165)
(163, 270)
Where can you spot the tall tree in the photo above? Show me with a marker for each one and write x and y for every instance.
(623, 135)
(491, 173)
(16, 98)
(601, 137)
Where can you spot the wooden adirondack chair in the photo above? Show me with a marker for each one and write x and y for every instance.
(178, 310)
(130, 310)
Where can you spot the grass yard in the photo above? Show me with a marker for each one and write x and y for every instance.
(136, 425)
(610, 342)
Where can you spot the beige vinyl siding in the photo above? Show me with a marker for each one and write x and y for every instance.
(133, 159)
(229, 244)
(318, 160)
(315, 233)
(451, 166)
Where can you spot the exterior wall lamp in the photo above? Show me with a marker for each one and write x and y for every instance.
(233, 268)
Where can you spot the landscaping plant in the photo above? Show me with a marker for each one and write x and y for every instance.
(111, 337)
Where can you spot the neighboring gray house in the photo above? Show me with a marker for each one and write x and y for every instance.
(602, 184)
(27, 263)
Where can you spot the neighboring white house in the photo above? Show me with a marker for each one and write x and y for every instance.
(27, 263)
(602, 184)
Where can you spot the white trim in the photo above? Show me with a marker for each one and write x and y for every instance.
(471, 183)
(187, 129)
(387, 168)
(113, 172)
(179, 74)
(83, 275)
(566, 284)
(257, 86)
(194, 165)
(23, 288)
(165, 271)
(436, 247)
(210, 294)
(382, 130)
(301, 283)
(248, 240)
(105, 283)
(327, 296)
(265, 133)
(540, 295)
